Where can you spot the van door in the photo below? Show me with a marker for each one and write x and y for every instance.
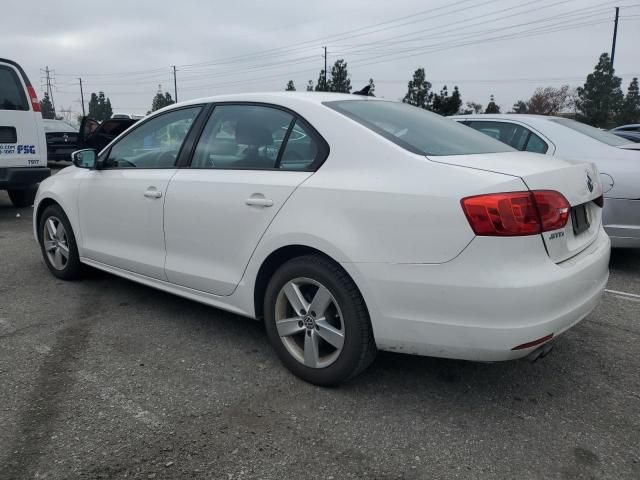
(22, 141)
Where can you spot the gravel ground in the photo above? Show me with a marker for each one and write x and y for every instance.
(105, 378)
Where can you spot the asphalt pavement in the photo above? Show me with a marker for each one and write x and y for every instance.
(105, 378)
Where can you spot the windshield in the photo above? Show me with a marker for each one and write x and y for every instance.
(416, 129)
(595, 133)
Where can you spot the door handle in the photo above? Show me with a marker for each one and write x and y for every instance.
(152, 193)
(259, 202)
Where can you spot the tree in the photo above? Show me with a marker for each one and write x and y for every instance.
(520, 107)
(630, 111)
(492, 107)
(100, 107)
(601, 96)
(548, 101)
(47, 107)
(161, 100)
(322, 85)
(418, 90)
(444, 104)
(340, 81)
(290, 86)
(472, 107)
(310, 86)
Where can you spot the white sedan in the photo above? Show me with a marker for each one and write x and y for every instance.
(349, 224)
(617, 159)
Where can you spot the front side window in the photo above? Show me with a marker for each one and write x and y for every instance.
(154, 144)
(243, 137)
(12, 95)
(417, 130)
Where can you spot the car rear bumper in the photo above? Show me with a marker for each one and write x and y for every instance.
(621, 220)
(22, 177)
(493, 297)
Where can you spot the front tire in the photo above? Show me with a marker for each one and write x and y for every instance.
(24, 197)
(317, 321)
(58, 244)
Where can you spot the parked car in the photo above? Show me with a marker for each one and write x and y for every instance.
(627, 135)
(62, 140)
(390, 228)
(97, 135)
(23, 148)
(632, 127)
(574, 141)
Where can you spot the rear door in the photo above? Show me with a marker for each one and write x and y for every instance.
(248, 162)
(21, 130)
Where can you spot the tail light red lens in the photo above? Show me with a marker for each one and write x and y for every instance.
(35, 104)
(516, 213)
(554, 209)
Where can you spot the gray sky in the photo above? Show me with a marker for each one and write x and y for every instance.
(501, 47)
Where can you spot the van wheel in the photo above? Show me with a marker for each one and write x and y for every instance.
(23, 198)
(58, 244)
(317, 321)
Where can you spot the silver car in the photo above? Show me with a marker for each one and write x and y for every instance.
(617, 159)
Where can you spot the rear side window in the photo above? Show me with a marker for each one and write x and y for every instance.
(416, 129)
(536, 145)
(257, 137)
(517, 136)
(12, 95)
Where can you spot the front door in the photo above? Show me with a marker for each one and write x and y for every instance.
(248, 162)
(121, 204)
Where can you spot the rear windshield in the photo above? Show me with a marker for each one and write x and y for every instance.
(416, 129)
(12, 95)
(600, 135)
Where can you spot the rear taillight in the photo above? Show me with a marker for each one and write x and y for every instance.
(35, 104)
(599, 201)
(516, 213)
(554, 209)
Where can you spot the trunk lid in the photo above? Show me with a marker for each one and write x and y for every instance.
(579, 183)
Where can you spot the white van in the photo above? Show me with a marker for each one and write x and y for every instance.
(23, 145)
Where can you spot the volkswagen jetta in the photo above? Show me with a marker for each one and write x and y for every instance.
(348, 224)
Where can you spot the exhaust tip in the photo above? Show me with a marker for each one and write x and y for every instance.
(540, 352)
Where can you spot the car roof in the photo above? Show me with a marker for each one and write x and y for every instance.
(504, 116)
(275, 97)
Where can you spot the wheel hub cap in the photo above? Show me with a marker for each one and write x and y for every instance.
(309, 322)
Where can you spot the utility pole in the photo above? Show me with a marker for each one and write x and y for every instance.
(47, 72)
(81, 97)
(615, 35)
(175, 85)
(325, 67)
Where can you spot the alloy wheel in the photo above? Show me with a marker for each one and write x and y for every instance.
(309, 322)
(56, 244)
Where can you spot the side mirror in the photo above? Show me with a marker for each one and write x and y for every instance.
(85, 158)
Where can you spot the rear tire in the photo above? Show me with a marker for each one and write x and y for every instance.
(333, 341)
(58, 244)
(23, 198)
